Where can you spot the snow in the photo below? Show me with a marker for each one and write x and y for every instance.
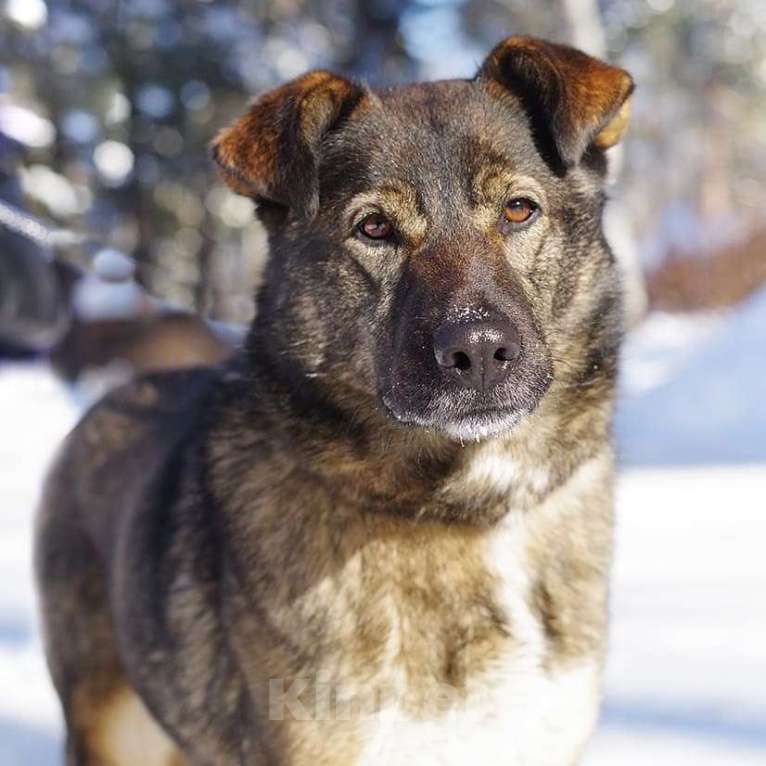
(98, 298)
(695, 390)
(688, 661)
(35, 413)
(687, 668)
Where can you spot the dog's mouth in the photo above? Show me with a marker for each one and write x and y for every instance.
(473, 427)
(458, 420)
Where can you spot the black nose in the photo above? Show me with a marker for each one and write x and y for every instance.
(478, 354)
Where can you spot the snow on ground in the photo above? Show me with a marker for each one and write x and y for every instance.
(694, 389)
(686, 679)
(687, 670)
(35, 413)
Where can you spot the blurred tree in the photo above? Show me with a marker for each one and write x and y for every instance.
(133, 92)
(116, 102)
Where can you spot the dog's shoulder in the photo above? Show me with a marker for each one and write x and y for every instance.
(123, 443)
(155, 410)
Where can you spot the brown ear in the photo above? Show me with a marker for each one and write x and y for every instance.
(574, 101)
(271, 153)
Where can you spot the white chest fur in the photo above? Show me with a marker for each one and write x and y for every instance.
(533, 720)
(519, 714)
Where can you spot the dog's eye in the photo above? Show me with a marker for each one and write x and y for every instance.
(375, 226)
(518, 211)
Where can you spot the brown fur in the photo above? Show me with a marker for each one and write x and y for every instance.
(120, 731)
(330, 512)
(247, 152)
(590, 100)
(165, 341)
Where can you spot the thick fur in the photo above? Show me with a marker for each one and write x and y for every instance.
(328, 551)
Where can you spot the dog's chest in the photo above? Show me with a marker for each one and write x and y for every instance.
(529, 718)
(511, 708)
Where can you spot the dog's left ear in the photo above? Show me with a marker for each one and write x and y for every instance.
(272, 152)
(573, 100)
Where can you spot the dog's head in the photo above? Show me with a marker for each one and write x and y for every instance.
(436, 249)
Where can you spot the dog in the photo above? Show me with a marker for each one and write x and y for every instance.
(382, 533)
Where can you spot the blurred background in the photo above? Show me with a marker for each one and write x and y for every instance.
(116, 236)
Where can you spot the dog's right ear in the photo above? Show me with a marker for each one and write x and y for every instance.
(271, 153)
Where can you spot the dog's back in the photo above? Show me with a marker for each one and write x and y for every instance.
(120, 460)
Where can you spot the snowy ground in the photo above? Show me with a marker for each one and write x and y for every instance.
(686, 682)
